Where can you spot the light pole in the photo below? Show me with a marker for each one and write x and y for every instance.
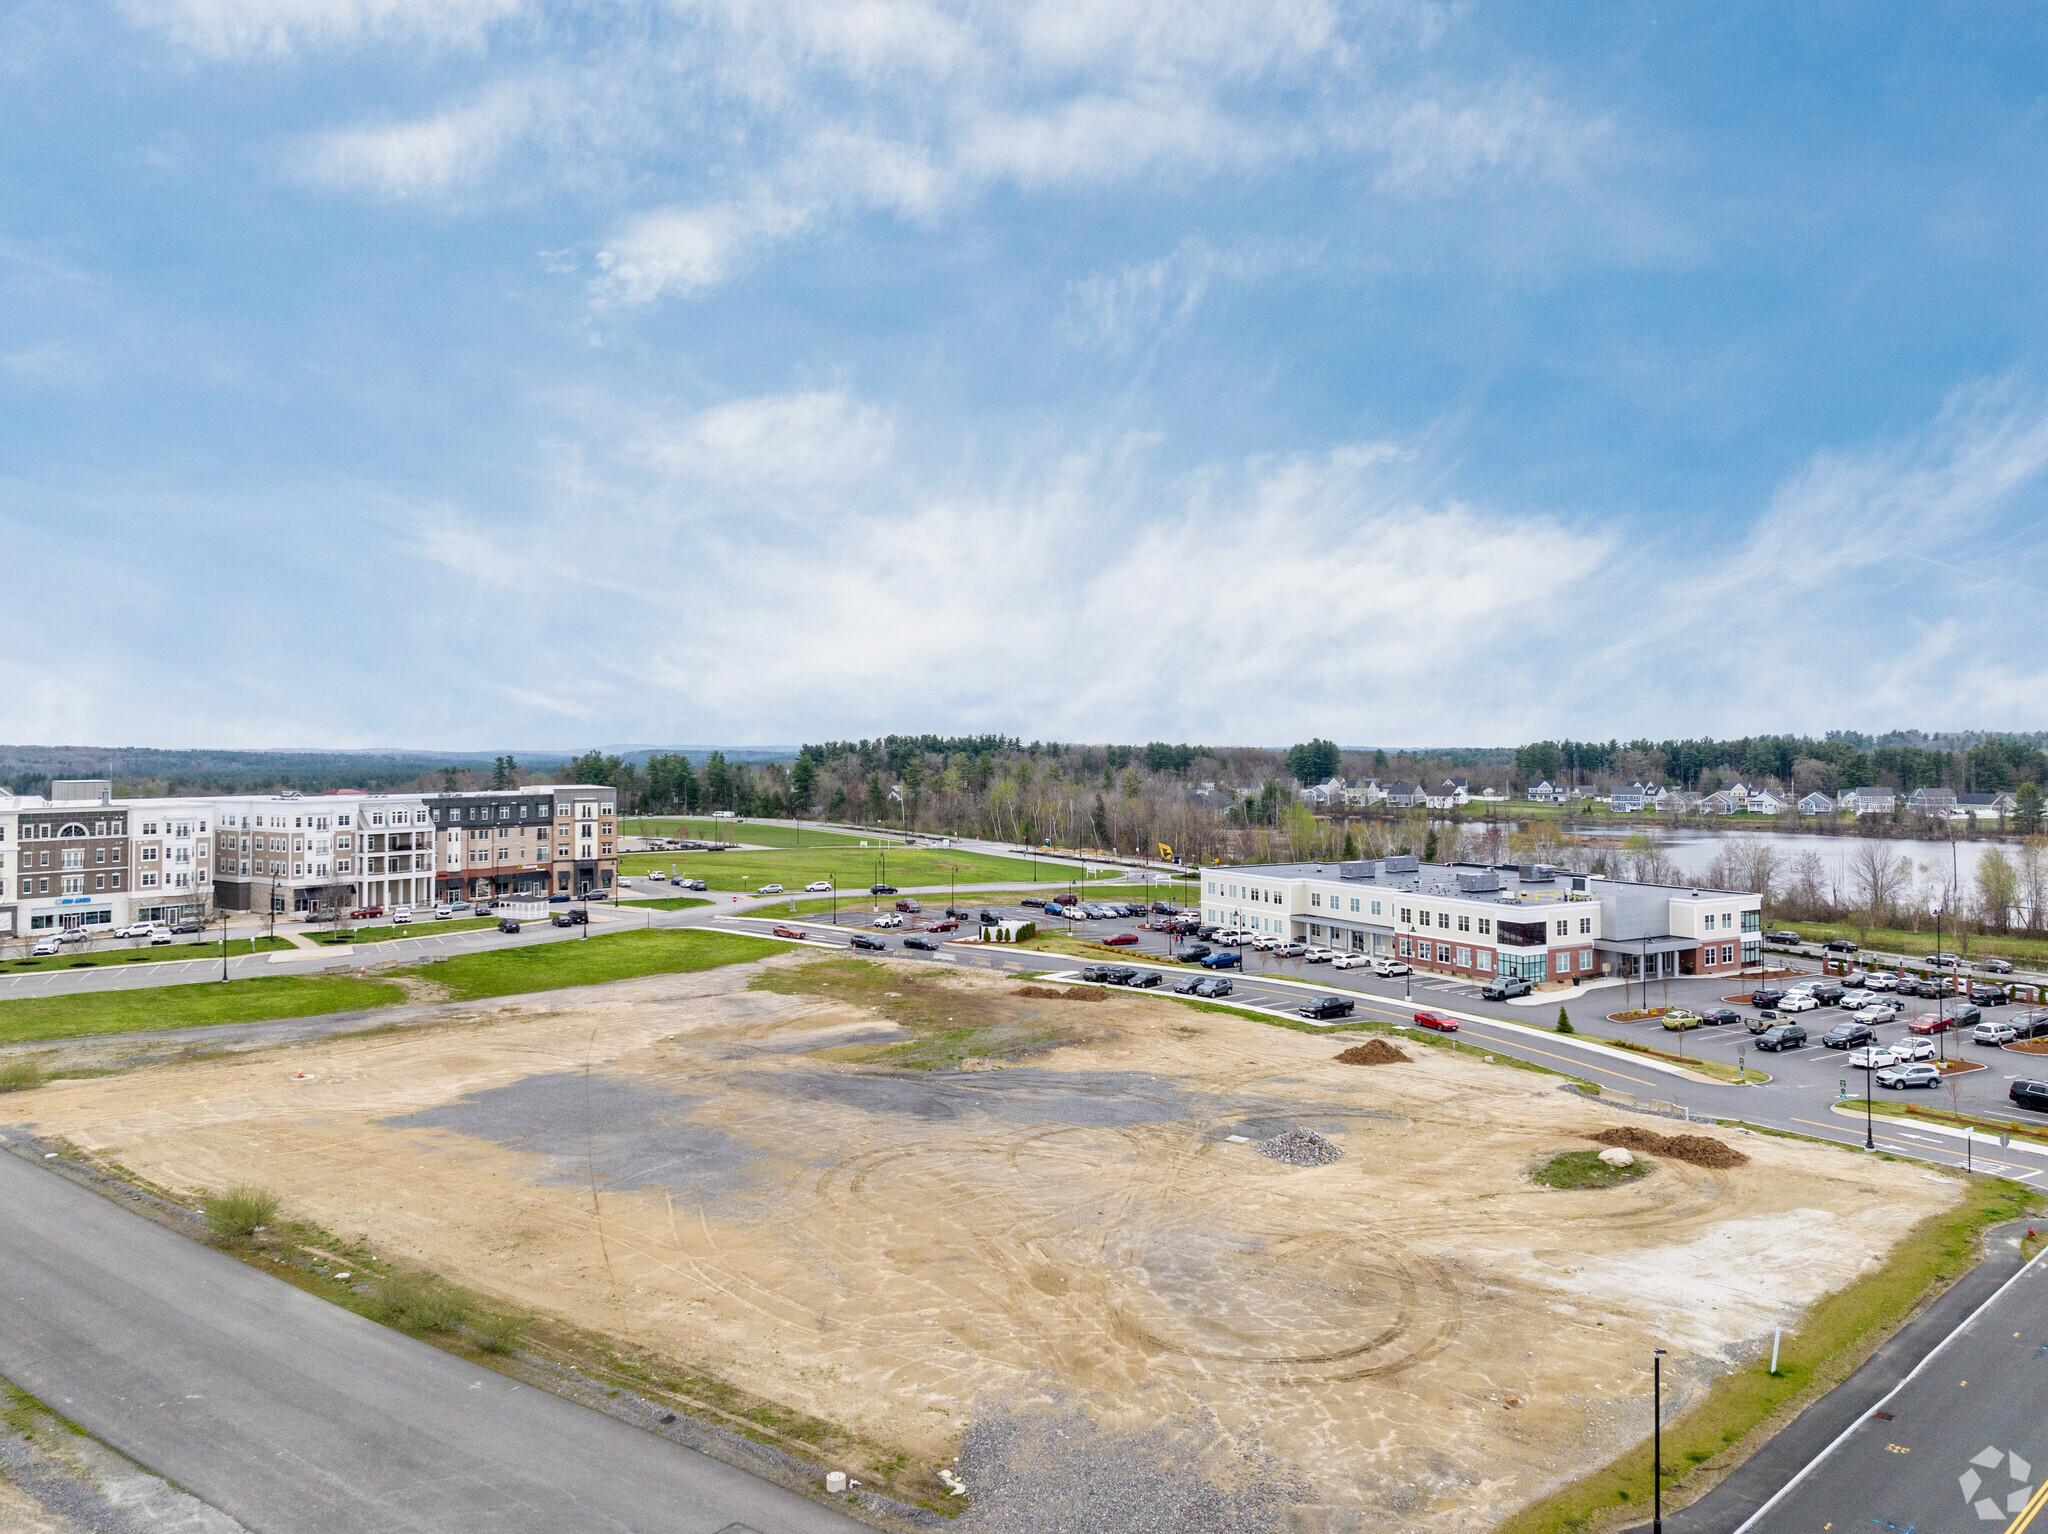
(1657, 1440)
(223, 944)
(1869, 1136)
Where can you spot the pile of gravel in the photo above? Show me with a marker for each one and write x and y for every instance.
(1058, 1472)
(1299, 1147)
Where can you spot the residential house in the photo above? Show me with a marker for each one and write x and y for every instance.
(1628, 801)
(1985, 806)
(1491, 796)
(1724, 801)
(1940, 802)
(1366, 792)
(1677, 801)
(1817, 804)
(1443, 798)
(1868, 800)
(1763, 802)
(1545, 792)
(1331, 792)
(1458, 790)
(1406, 796)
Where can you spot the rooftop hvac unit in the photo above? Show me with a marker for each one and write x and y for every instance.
(1357, 870)
(1537, 873)
(1473, 884)
(1406, 863)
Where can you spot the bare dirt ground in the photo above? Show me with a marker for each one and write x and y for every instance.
(1070, 1223)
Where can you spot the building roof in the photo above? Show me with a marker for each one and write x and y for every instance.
(1514, 881)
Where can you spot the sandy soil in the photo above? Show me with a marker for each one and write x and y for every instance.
(1422, 1334)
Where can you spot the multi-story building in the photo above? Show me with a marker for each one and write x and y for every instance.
(1537, 923)
(289, 852)
(559, 838)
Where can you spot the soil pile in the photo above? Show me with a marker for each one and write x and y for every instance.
(1054, 993)
(1299, 1147)
(1372, 1052)
(1700, 1150)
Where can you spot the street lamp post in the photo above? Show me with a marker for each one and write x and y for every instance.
(1657, 1439)
(1869, 1136)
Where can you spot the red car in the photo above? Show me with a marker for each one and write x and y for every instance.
(360, 912)
(1120, 940)
(789, 932)
(943, 926)
(1437, 1021)
(1930, 1025)
(908, 906)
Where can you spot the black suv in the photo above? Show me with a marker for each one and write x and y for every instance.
(1828, 994)
(1326, 1006)
(883, 889)
(923, 944)
(2030, 1094)
(1781, 936)
(1196, 952)
(1765, 996)
(1120, 976)
(991, 919)
(1989, 995)
(1840, 945)
(2031, 1024)
(1847, 1035)
(1781, 1036)
(867, 944)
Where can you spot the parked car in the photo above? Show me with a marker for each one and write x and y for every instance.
(1846, 1035)
(1782, 935)
(444, 913)
(1766, 996)
(1720, 1017)
(906, 904)
(508, 924)
(1880, 980)
(1963, 1015)
(1781, 1036)
(1324, 1007)
(1989, 995)
(363, 912)
(1146, 979)
(883, 889)
(1351, 961)
(1799, 1001)
(2031, 1024)
(789, 932)
(2029, 1094)
(1291, 951)
(1320, 955)
(1097, 973)
(942, 926)
(769, 889)
(1194, 953)
(991, 918)
(1122, 939)
(181, 929)
(561, 898)
(1387, 968)
(1265, 942)
(1856, 979)
(1679, 1020)
(562, 918)
(887, 919)
(1942, 960)
(1121, 975)
(1214, 988)
(1918, 1074)
(692, 884)
(160, 938)
(1828, 994)
(1224, 959)
(1875, 1012)
(1437, 1020)
(579, 916)
(1931, 1023)
(1993, 1033)
(402, 917)
(1927, 987)
(1995, 966)
(867, 944)
(1872, 1057)
(921, 943)
(45, 946)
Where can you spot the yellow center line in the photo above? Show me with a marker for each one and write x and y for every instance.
(2018, 1526)
(1573, 1060)
(1901, 1144)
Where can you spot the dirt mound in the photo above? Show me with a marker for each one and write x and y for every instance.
(1372, 1052)
(1054, 993)
(1697, 1149)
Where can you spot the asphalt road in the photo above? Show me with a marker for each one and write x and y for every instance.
(297, 1417)
(1961, 1444)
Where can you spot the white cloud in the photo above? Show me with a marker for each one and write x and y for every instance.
(1144, 299)
(456, 147)
(684, 250)
(228, 29)
(823, 440)
(1437, 144)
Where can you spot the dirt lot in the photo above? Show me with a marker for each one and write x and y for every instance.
(1067, 1221)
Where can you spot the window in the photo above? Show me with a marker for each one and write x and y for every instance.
(1464, 924)
(1563, 927)
(1585, 926)
(1485, 925)
(1464, 958)
(1585, 958)
(1710, 921)
(1727, 953)
(1443, 919)
(99, 881)
(1752, 921)
(1354, 907)
(99, 854)
(1375, 908)
(1407, 945)
(1315, 899)
(1485, 960)
(1407, 915)
(74, 884)
(1443, 953)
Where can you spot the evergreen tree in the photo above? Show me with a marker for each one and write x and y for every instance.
(1564, 1023)
(2027, 818)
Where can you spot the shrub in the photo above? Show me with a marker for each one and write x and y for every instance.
(20, 1077)
(414, 1302)
(1564, 1023)
(498, 1334)
(239, 1211)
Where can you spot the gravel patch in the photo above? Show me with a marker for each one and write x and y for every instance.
(1299, 1147)
(1057, 1472)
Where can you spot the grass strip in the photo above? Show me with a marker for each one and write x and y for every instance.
(756, 833)
(1744, 1408)
(672, 903)
(593, 961)
(1718, 1069)
(391, 934)
(171, 953)
(1913, 944)
(2017, 1128)
(202, 1004)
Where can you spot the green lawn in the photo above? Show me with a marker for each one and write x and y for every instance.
(389, 934)
(755, 833)
(851, 868)
(673, 903)
(190, 1006)
(183, 949)
(861, 900)
(1913, 944)
(615, 956)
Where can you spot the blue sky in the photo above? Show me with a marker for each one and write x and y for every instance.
(487, 372)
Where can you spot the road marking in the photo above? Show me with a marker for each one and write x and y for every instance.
(2027, 1516)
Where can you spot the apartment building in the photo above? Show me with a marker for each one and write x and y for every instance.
(1541, 924)
(294, 853)
(81, 858)
(548, 839)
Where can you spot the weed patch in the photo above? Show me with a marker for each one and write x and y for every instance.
(240, 1212)
(22, 1076)
(1585, 1169)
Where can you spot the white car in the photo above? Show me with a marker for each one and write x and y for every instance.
(402, 917)
(444, 913)
(891, 919)
(1798, 1001)
(1265, 942)
(769, 889)
(1320, 955)
(1873, 1057)
(818, 887)
(1913, 1049)
(45, 946)
(1875, 1012)
(1388, 967)
(655, 878)
(1351, 961)
(1881, 980)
